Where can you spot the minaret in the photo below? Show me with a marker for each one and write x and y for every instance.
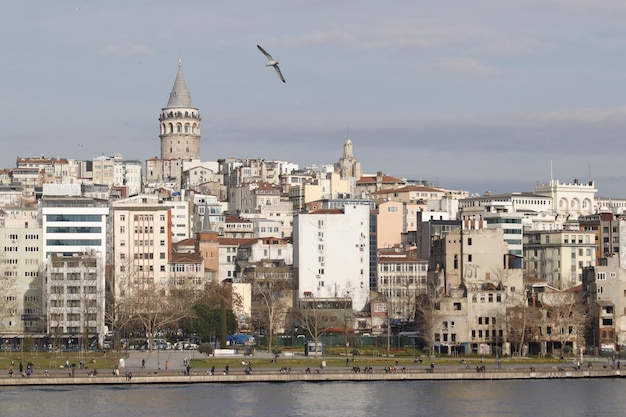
(180, 123)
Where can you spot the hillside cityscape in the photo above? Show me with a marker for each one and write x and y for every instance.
(117, 253)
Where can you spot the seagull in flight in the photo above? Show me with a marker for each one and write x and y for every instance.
(271, 63)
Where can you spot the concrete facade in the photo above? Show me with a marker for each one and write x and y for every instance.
(331, 254)
(22, 311)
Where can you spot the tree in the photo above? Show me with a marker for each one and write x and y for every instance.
(427, 307)
(567, 316)
(270, 303)
(520, 320)
(149, 308)
(204, 321)
(313, 319)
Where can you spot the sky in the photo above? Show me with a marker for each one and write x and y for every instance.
(482, 95)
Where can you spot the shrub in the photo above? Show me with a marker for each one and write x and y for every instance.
(205, 348)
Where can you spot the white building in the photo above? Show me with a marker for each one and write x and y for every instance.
(279, 215)
(331, 254)
(208, 214)
(181, 223)
(228, 249)
(74, 257)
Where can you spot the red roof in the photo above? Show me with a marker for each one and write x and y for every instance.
(373, 179)
(408, 189)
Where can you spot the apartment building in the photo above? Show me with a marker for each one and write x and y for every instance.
(331, 254)
(559, 256)
(22, 312)
(142, 242)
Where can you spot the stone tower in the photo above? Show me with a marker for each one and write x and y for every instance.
(180, 123)
(348, 166)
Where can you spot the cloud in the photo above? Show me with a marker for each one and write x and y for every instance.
(461, 65)
(134, 50)
(587, 116)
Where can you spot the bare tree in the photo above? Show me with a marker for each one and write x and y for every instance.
(567, 317)
(426, 317)
(427, 310)
(152, 309)
(313, 319)
(520, 320)
(148, 307)
(214, 292)
(271, 300)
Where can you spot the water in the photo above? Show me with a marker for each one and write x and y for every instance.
(572, 398)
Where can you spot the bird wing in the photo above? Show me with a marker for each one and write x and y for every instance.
(268, 56)
(280, 74)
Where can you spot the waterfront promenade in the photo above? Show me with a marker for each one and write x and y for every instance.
(155, 373)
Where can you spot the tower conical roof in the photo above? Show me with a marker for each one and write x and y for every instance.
(180, 97)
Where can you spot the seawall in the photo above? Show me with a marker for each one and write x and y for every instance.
(302, 376)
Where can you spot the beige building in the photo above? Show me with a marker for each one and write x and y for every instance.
(22, 313)
(367, 184)
(411, 194)
(141, 242)
(252, 197)
(333, 186)
(114, 171)
(605, 285)
(478, 262)
(560, 256)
